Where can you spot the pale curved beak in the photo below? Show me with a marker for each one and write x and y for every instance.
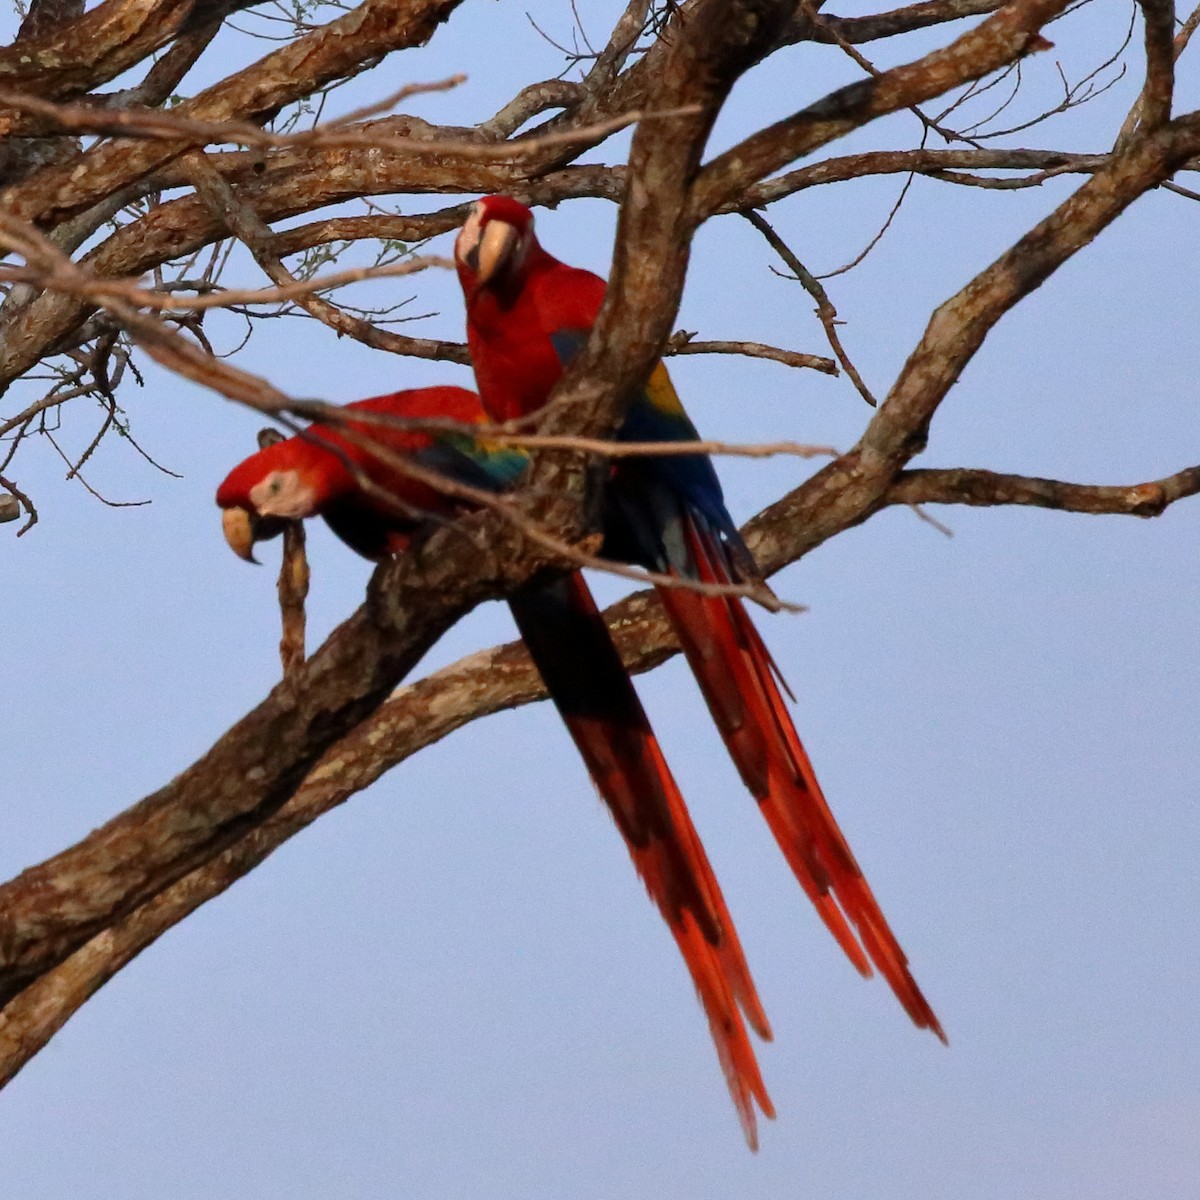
(238, 526)
(495, 248)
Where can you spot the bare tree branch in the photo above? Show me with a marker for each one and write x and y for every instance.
(683, 343)
(898, 21)
(1001, 39)
(71, 57)
(296, 69)
(935, 163)
(826, 313)
(987, 488)
(256, 235)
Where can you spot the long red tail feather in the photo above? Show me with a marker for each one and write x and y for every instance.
(570, 644)
(739, 681)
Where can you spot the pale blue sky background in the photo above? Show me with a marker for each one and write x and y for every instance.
(454, 987)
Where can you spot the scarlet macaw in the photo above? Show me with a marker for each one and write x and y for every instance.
(310, 475)
(528, 314)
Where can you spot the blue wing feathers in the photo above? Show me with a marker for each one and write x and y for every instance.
(645, 521)
(461, 458)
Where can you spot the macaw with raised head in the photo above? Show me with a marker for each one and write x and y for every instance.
(314, 474)
(528, 314)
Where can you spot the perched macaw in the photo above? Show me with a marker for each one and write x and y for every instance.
(310, 475)
(527, 315)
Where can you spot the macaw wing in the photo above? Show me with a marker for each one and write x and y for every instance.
(366, 532)
(650, 493)
(473, 462)
(567, 343)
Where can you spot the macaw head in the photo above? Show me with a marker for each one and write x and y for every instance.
(285, 482)
(493, 244)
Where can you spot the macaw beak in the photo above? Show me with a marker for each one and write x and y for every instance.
(244, 528)
(238, 526)
(493, 251)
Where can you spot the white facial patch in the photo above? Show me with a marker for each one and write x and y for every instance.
(469, 234)
(282, 494)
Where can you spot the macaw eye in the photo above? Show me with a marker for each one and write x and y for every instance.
(275, 486)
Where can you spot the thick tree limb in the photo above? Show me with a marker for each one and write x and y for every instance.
(67, 59)
(50, 910)
(20, 157)
(1154, 104)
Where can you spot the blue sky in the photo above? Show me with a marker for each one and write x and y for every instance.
(453, 987)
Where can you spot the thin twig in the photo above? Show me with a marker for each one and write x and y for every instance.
(826, 313)
(682, 343)
(293, 591)
(80, 282)
(931, 126)
(31, 513)
(292, 585)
